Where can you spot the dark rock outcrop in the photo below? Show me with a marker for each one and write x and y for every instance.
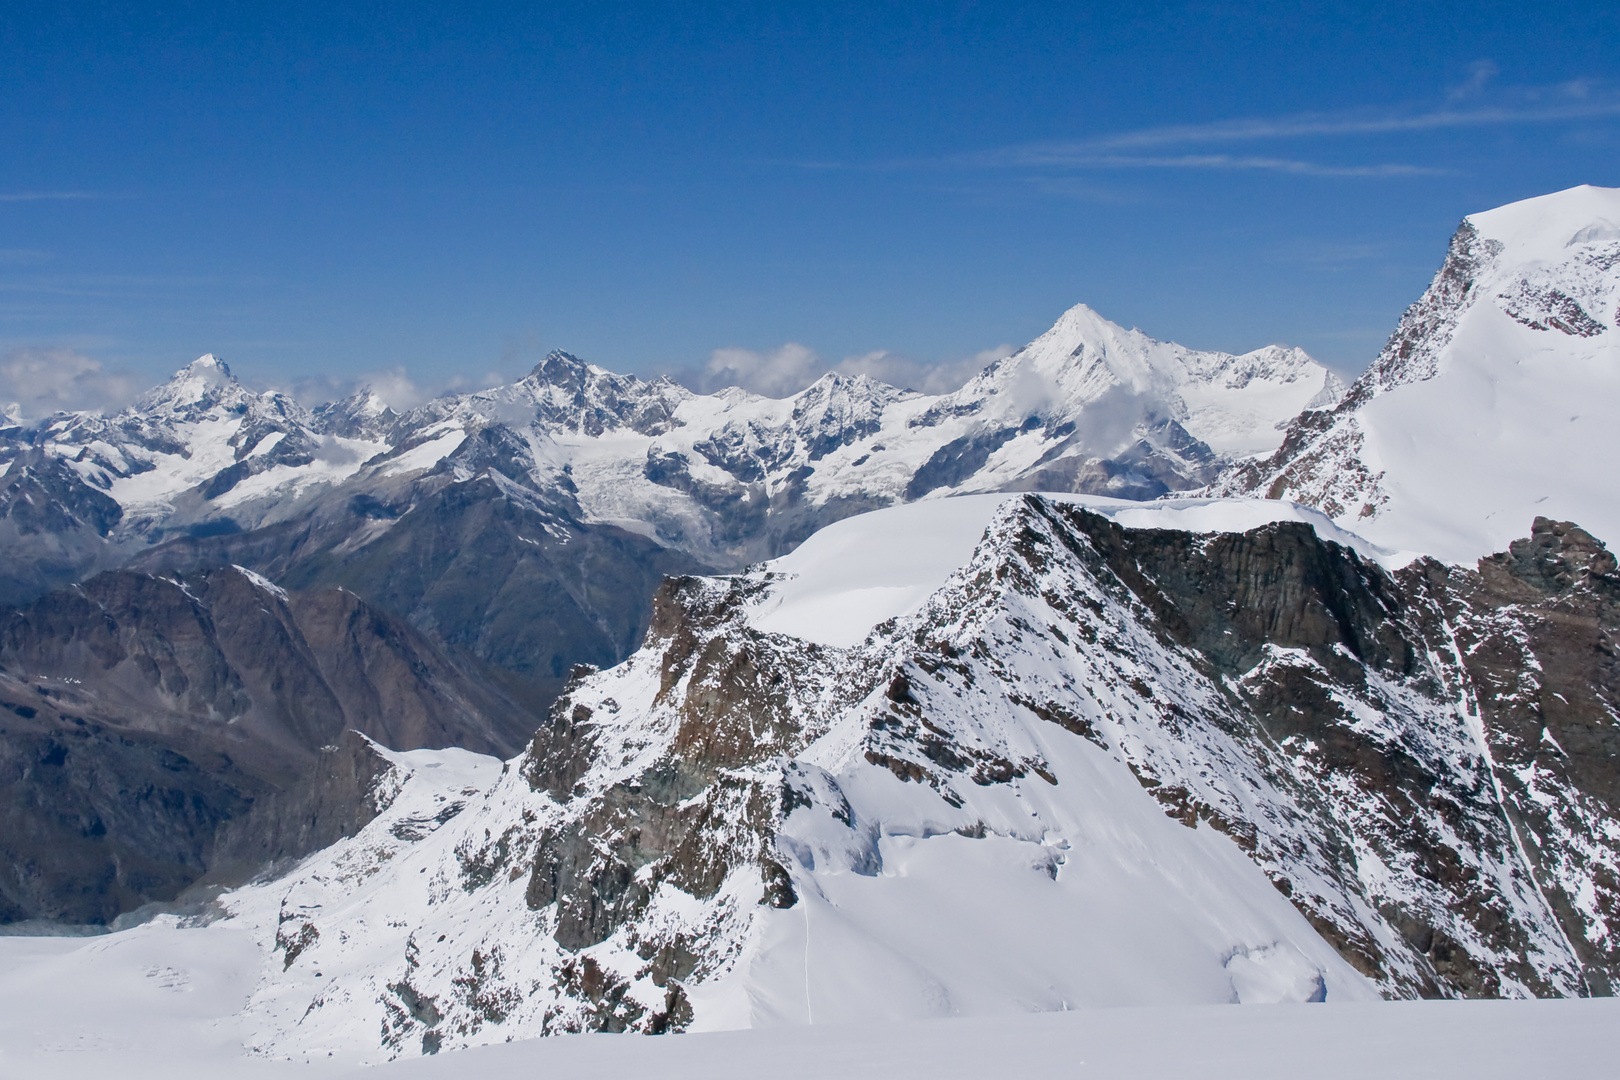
(158, 731)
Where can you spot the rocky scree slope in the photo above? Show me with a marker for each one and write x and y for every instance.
(1492, 402)
(1132, 765)
(159, 732)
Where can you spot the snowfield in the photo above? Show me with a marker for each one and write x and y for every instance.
(937, 794)
(156, 1003)
(1074, 896)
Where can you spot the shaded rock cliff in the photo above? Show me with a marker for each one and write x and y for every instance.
(140, 715)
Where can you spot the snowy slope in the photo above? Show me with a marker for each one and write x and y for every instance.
(1101, 763)
(901, 898)
(1494, 402)
(843, 581)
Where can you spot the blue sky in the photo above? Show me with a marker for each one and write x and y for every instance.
(323, 192)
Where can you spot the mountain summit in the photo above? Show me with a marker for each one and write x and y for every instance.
(1493, 402)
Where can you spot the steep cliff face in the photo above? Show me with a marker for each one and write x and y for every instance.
(1100, 764)
(143, 715)
(1492, 402)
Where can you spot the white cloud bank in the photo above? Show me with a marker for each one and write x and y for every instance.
(791, 367)
(38, 381)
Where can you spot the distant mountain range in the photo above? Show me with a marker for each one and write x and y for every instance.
(726, 478)
(516, 532)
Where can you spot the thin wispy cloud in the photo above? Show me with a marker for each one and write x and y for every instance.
(46, 196)
(1480, 73)
(1579, 101)
(1228, 162)
(38, 381)
(1156, 147)
(1251, 130)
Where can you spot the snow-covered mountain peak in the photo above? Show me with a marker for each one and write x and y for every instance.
(1543, 228)
(846, 394)
(559, 368)
(363, 414)
(1080, 354)
(1236, 405)
(1492, 403)
(199, 384)
(729, 477)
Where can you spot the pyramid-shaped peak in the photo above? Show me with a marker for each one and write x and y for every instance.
(1082, 325)
(203, 378)
(1084, 317)
(205, 365)
(558, 365)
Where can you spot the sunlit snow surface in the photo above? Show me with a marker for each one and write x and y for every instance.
(156, 1003)
(1084, 897)
(856, 573)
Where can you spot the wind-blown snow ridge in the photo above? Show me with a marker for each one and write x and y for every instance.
(856, 573)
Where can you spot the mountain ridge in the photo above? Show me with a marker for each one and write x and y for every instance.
(1391, 781)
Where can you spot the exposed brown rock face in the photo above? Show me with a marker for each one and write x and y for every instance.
(144, 715)
(736, 700)
(1519, 650)
(1421, 761)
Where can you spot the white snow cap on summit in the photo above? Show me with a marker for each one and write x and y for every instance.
(193, 382)
(1544, 228)
(1237, 404)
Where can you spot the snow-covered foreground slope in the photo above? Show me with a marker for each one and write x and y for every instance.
(1103, 764)
(1496, 400)
(158, 1003)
